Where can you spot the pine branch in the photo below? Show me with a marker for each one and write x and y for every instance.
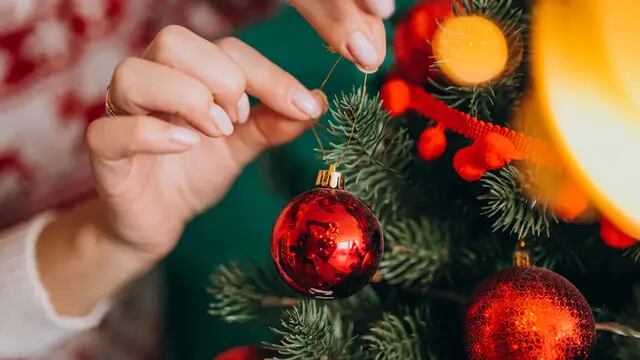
(634, 252)
(359, 308)
(376, 159)
(241, 296)
(510, 207)
(398, 338)
(416, 250)
(623, 342)
(559, 251)
(310, 331)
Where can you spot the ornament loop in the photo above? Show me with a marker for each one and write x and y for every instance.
(330, 178)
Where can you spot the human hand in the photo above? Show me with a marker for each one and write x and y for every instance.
(155, 172)
(353, 28)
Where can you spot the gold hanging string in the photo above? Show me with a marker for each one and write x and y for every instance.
(315, 121)
(356, 117)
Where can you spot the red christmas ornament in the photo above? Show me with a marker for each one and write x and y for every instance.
(432, 143)
(614, 237)
(528, 313)
(412, 42)
(244, 353)
(326, 242)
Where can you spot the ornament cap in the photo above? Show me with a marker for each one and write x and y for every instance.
(522, 257)
(330, 178)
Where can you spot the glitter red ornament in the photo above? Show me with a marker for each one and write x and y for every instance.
(244, 353)
(528, 313)
(326, 242)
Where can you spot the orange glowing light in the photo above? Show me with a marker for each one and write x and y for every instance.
(587, 82)
(470, 50)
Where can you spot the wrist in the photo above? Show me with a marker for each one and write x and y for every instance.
(81, 261)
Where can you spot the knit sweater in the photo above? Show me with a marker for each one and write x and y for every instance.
(56, 59)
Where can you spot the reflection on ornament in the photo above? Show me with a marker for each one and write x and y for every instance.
(528, 313)
(326, 242)
(470, 50)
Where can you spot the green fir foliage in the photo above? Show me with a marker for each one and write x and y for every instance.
(311, 331)
(416, 251)
(398, 337)
(511, 208)
(376, 159)
(241, 295)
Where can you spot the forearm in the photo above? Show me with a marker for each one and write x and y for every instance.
(81, 262)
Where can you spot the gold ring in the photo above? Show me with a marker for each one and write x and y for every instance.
(111, 108)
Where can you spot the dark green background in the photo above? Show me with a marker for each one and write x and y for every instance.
(239, 227)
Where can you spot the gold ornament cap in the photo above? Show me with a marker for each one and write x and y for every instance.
(330, 178)
(522, 256)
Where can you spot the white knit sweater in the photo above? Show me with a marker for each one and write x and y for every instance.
(28, 323)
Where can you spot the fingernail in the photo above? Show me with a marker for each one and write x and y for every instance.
(322, 98)
(184, 136)
(365, 70)
(362, 50)
(243, 108)
(221, 119)
(305, 102)
(381, 8)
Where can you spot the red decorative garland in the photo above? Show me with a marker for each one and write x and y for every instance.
(399, 96)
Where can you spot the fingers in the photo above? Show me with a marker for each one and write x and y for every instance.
(380, 8)
(140, 87)
(183, 50)
(115, 138)
(275, 87)
(350, 29)
(206, 84)
(267, 128)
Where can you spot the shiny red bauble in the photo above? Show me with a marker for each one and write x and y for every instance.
(327, 243)
(528, 313)
(244, 353)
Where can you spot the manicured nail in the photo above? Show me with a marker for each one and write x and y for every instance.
(381, 8)
(322, 99)
(305, 102)
(362, 50)
(221, 119)
(183, 136)
(243, 108)
(365, 70)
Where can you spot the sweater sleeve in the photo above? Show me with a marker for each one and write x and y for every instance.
(29, 324)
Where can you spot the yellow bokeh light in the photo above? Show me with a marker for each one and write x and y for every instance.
(586, 77)
(470, 50)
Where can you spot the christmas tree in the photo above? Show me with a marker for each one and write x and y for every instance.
(438, 159)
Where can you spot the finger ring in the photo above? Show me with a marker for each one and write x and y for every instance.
(111, 108)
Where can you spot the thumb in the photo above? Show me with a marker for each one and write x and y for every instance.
(267, 128)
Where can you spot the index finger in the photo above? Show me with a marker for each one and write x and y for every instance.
(275, 87)
(356, 34)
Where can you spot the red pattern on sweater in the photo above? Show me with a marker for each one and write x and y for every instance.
(56, 57)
